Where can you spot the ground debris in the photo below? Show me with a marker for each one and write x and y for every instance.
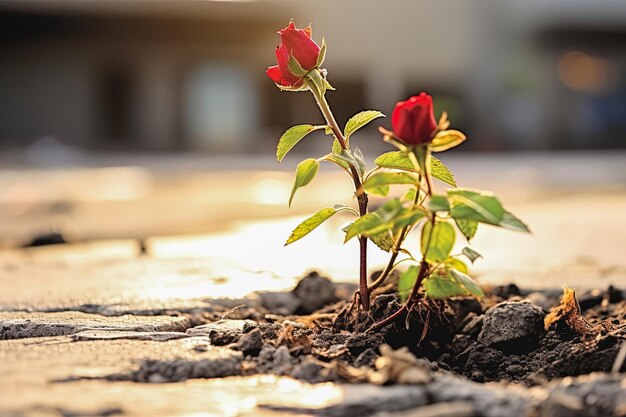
(567, 317)
(222, 332)
(399, 366)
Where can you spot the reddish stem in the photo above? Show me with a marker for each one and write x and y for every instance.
(361, 198)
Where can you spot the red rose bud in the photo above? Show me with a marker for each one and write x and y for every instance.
(280, 73)
(413, 120)
(297, 43)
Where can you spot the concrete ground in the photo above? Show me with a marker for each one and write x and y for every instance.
(152, 237)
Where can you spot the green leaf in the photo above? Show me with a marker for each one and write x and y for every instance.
(475, 205)
(509, 221)
(346, 156)
(439, 171)
(295, 68)
(367, 225)
(456, 264)
(446, 140)
(383, 241)
(440, 287)
(291, 137)
(471, 254)
(339, 162)
(408, 217)
(441, 242)
(382, 191)
(305, 172)
(401, 160)
(438, 203)
(359, 120)
(467, 282)
(387, 178)
(327, 85)
(406, 282)
(337, 149)
(390, 210)
(467, 227)
(375, 222)
(311, 223)
(395, 160)
(360, 161)
(409, 196)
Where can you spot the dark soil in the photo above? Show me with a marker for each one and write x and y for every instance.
(499, 338)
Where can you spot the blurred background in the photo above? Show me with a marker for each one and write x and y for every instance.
(188, 76)
(133, 119)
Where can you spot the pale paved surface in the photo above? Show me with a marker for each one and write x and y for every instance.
(200, 246)
(577, 240)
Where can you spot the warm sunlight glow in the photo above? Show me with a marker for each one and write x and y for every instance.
(583, 72)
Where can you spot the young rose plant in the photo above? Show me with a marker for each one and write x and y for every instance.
(436, 217)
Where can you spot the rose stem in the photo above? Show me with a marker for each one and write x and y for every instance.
(360, 194)
(423, 272)
(396, 248)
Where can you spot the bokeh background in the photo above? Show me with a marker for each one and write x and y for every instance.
(135, 119)
(188, 76)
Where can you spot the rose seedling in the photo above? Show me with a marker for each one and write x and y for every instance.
(435, 217)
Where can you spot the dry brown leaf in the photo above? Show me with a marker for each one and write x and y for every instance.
(567, 316)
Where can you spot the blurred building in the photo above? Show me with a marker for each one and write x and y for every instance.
(189, 76)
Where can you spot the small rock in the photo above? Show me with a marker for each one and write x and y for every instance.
(614, 295)
(460, 342)
(512, 326)
(281, 357)
(506, 291)
(222, 332)
(308, 370)
(314, 292)
(251, 343)
(366, 358)
(265, 359)
(474, 325)
(284, 303)
(590, 300)
(540, 299)
(52, 238)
